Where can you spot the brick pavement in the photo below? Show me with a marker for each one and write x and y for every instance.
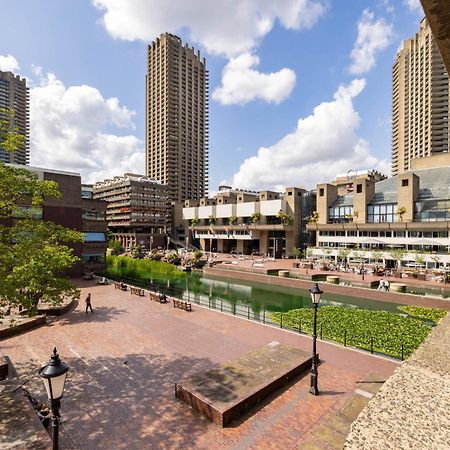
(126, 357)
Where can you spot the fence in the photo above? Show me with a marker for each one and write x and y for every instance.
(370, 343)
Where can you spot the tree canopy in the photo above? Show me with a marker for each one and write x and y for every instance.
(34, 254)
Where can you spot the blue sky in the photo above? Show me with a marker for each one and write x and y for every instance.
(80, 55)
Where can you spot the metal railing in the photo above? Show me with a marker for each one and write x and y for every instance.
(265, 317)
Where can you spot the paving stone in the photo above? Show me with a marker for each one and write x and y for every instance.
(126, 358)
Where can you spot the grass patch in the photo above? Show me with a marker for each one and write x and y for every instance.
(360, 328)
(433, 314)
(140, 269)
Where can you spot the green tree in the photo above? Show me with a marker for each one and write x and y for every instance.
(398, 254)
(401, 212)
(297, 253)
(34, 257)
(34, 254)
(284, 218)
(232, 220)
(211, 219)
(115, 247)
(255, 217)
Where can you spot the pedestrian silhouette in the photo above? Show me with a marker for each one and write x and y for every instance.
(88, 303)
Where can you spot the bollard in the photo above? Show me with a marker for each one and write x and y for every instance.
(281, 320)
(345, 338)
(402, 352)
(320, 331)
(371, 345)
(248, 312)
(264, 316)
(221, 305)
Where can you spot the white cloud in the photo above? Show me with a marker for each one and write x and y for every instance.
(323, 145)
(9, 63)
(230, 28)
(241, 83)
(70, 131)
(222, 27)
(413, 5)
(373, 36)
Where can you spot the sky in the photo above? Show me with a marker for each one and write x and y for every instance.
(300, 90)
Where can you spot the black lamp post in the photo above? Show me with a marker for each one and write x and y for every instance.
(316, 293)
(54, 377)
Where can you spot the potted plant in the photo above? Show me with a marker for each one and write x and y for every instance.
(255, 217)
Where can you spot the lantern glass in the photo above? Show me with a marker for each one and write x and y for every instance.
(55, 386)
(316, 294)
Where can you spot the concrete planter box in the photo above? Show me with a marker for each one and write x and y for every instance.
(397, 287)
(332, 279)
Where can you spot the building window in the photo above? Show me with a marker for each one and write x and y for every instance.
(405, 183)
(358, 188)
(92, 258)
(93, 215)
(91, 236)
(382, 213)
(339, 214)
(321, 192)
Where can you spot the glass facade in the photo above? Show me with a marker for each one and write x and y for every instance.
(432, 210)
(340, 214)
(382, 213)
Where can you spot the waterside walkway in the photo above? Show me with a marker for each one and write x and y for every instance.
(126, 357)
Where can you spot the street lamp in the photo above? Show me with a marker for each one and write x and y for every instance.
(151, 243)
(54, 377)
(316, 293)
(168, 242)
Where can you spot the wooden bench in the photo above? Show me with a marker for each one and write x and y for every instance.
(137, 291)
(187, 306)
(157, 297)
(120, 286)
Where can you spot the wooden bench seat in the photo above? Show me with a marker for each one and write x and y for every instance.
(120, 286)
(157, 297)
(187, 306)
(137, 291)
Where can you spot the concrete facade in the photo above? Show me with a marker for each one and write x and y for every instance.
(138, 210)
(177, 118)
(420, 101)
(409, 212)
(250, 222)
(14, 95)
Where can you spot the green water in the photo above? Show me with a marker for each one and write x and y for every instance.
(258, 296)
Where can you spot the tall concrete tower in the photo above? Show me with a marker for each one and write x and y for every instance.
(14, 94)
(420, 101)
(177, 118)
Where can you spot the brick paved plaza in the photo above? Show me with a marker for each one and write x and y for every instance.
(126, 357)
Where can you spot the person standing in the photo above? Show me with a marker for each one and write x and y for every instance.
(88, 303)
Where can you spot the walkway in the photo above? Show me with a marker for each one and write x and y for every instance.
(126, 357)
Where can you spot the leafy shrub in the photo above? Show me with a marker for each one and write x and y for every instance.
(359, 326)
(433, 314)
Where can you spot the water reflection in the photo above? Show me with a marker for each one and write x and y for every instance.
(252, 297)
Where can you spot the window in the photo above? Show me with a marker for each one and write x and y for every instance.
(93, 215)
(91, 258)
(381, 213)
(405, 183)
(91, 236)
(359, 188)
(321, 192)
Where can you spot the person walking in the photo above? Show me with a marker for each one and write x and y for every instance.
(88, 303)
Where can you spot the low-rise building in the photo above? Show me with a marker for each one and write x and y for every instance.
(402, 220)
(266, 223)
(138, 211)
(75, 210)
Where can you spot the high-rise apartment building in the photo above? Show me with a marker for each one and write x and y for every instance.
(138, 210)
(420, 101)
(14, 94)
(177, 118)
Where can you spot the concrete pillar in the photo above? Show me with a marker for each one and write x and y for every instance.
(263, 242)
(240, 246)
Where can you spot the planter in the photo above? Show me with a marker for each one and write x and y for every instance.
(283, 273)
(332, 279)
(397, 287)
